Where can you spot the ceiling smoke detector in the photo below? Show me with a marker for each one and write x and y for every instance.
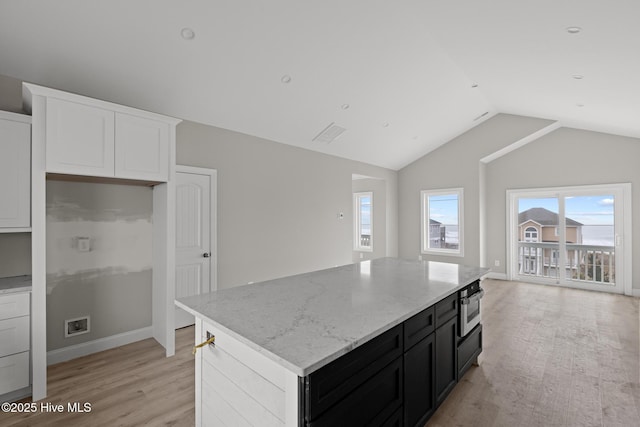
(329, 134)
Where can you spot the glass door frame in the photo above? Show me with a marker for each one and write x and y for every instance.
(623, 233)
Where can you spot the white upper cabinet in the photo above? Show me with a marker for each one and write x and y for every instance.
(85, 136)
(15, 172)
(142, 148)
(80, 139)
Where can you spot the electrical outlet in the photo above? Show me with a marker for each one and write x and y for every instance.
(496, 263)
(361, 255)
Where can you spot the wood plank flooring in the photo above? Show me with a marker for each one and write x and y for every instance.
(552, 357)
(133, 385)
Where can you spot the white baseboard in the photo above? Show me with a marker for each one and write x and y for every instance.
(494, 275)
(101, 344)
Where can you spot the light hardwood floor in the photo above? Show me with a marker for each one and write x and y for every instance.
(552, 357)
(133, 385)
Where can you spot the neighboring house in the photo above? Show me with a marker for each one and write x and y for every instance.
(436, 234)
(540, 225)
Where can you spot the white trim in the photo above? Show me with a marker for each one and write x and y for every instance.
(36, 90)
(520, 143)
(496, 275)
(15, 117)
(423, 233)
(95, 346)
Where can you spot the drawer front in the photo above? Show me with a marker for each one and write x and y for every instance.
(469, 349)
(371, 404)
(332, 383)
(14, 372)
(14, 305)
(446, 309)
(14, 335)
(418, 327)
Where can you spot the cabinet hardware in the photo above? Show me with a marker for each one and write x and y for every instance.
(211, 340)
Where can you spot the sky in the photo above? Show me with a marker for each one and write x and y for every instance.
(444, 209)
(588, 210)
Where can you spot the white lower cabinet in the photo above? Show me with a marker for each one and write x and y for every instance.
(238, 386)
(15, 373)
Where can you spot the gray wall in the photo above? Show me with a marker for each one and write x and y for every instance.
(278, 205)
(456, 164)
(15, 254)
(379, 189)
(565, 157)
(111, 282)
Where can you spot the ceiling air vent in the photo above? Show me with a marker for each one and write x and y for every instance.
(329, 134)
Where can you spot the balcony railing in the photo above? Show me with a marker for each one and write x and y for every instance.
(585, 263)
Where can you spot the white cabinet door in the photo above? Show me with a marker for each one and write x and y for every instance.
(80, 139)
(15, 174)
(142, 148)
(14, 372)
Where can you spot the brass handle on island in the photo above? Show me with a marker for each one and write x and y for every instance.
(211, 340)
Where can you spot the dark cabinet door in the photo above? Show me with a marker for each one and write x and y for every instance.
(446, 359)
(419, 402)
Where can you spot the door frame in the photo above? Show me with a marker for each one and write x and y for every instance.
(625, 238)
(213, 212)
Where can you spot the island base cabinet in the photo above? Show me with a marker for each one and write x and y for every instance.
(469, 349)
(419, 402)
(446, 360)
(238, 386)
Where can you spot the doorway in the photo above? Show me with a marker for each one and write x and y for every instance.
(196, 266)
(577, 237)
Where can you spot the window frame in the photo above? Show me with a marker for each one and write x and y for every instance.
(357, 213)
(424, 228)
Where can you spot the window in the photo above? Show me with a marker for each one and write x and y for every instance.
(531, 234)
(363, 221)
(441, 221)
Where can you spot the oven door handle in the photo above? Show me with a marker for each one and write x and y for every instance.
(472, 298)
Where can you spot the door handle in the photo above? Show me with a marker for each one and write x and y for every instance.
(206, 254)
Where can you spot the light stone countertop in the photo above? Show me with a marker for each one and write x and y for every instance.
(306, 321)
(15, 284)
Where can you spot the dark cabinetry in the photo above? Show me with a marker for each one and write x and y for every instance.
(419, 369)
(446, 359)
(398, 378)
(469, 349)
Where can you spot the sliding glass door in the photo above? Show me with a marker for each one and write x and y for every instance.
(571, 236)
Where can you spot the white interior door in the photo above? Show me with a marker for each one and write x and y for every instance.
(195, 254)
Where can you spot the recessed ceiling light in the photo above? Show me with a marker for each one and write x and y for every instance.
(187, 33)
(345, 106)
(578, 76)
(415, 137)
(385, 124)
(573, 30)
(286, 79)
(475, 85)
(580, 105)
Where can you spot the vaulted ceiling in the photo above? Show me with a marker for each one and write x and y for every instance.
(401, 77)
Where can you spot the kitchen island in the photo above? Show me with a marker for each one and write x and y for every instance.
(312, 349)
